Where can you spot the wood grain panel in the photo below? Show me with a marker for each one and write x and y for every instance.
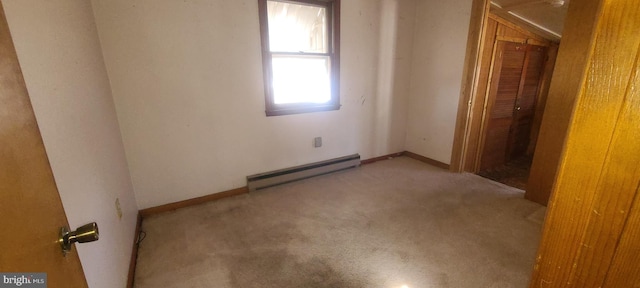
(600, 169)
(192, 202)
(618, 181)
(471, 72)
(541, 103)
(535, 67)
(526, 103)
(624, 269)
(507, 72)
(478, 103)
(510, 29)
(567, 81)
(496, 143)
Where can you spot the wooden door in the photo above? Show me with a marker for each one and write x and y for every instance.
(30, 206)
(505, 84)
(525, 105)
(512, 98)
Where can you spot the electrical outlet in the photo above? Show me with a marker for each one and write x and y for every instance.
(317, 142)
(118, 208)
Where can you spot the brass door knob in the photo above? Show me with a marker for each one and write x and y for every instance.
(84, 233)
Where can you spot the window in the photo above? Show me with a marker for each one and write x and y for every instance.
(300, 55)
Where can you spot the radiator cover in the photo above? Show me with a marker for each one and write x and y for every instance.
(268, 179)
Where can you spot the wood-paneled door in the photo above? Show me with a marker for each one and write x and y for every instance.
(30, 206)
(525, 105)
(515, 84)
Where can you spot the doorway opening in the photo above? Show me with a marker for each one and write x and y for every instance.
(513, 75)
(513, 107)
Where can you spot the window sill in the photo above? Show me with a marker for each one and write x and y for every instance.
(280, 111)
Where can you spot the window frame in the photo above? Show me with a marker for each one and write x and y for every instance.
(333, 22)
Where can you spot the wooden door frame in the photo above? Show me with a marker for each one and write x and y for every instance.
(463, 158)
(470, 81)
(487, 107)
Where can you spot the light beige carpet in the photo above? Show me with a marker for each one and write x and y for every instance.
(394, 223)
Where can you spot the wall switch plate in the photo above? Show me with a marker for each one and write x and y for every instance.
(317, 142)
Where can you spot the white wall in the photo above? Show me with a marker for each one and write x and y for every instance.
(395, 45)
(439, 48)
(187, 82)
(61, 59)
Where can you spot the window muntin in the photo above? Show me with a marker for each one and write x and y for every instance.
(300, 55)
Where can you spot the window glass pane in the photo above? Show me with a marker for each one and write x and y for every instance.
(297, 28)
(300, 79)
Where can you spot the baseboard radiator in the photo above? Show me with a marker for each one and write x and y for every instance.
(268, 179)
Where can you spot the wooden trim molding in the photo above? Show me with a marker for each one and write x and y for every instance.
(426, 160)
(565, 86)
(512, 39)
(166, 208)
(380, 158)
(522, 30)
(541, 43)
(243, 190)
(134, 253)
(191, 202)
(410, 155)
(479, 13)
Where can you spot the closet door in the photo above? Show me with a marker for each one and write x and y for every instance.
(508, 66)
(525, 105)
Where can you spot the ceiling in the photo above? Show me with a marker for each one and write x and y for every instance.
(545, 17)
